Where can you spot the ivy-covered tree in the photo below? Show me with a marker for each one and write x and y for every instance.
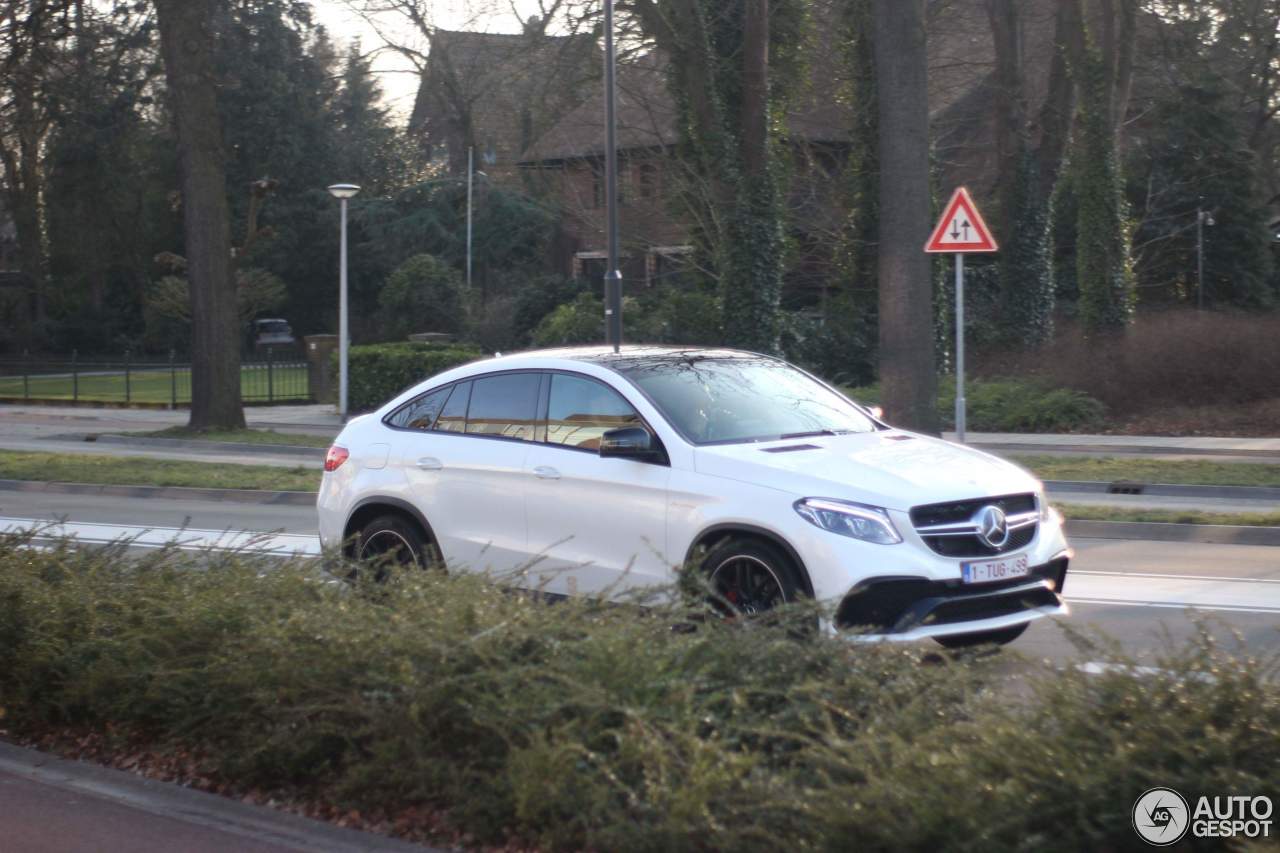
(731, 67)
(1104, 270)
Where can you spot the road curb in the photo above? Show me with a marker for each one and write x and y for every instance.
(251, 496)
(1166, 490)
(197, 444)
(1211, 534)
(259, 823)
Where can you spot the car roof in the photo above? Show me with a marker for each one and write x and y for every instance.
(630, 356)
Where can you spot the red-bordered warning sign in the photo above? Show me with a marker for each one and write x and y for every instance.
(961, 229)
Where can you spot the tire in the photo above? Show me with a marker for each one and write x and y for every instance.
(749, 576)
(1000, 638)
(393, 542)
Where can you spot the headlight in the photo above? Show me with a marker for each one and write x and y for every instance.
(1047, 513)
(868, 523)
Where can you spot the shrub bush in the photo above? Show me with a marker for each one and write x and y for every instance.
(591, 726)
(578, 322)
(1167, 359)
(380, 371)
(1008, 405)
(424, 294)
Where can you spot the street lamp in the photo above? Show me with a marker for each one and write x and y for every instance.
(1203, 218)
(612, 275)
(343, 192)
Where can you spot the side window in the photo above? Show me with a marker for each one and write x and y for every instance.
(505, 405)
(453, 417)
(581, 410)
(420, 413)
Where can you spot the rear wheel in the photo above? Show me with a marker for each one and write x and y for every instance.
(748, 577)
(1000, 638)
(391, 542)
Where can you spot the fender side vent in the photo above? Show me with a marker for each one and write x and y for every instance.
(790, 448)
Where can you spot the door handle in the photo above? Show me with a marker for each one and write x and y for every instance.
(546, 472)
(430, 463)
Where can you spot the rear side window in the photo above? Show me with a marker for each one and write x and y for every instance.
(505, 406)
(453, 417)
(580, 411)
(420, 413)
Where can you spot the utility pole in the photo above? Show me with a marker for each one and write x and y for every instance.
(471, 150)
(612, 275)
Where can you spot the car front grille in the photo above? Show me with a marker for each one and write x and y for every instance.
(949, 528)
(888, 604)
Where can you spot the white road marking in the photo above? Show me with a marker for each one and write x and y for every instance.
(1201, 592)
(185, 539)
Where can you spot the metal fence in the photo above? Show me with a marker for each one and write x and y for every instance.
(267, 377)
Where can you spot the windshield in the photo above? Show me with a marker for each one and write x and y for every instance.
(717, 399)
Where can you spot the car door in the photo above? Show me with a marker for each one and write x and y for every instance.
(467, 471)
(594, 523)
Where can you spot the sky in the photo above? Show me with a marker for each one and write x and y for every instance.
(396, 73)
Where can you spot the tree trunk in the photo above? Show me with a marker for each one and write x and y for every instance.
(185, 40)
(908, 381)
(755, 87)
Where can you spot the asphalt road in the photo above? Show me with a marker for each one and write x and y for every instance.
(1135, 591)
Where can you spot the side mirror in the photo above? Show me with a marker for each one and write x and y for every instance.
(630, 443)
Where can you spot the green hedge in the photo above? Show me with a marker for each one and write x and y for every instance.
(380, 371)
(1007, 405)
(586, 726)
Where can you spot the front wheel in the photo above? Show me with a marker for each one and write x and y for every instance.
(748, 577)
(1002, 637)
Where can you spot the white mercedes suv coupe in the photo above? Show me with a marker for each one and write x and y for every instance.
(584, 470)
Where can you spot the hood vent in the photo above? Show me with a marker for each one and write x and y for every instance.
(790, 447)
(899, 437)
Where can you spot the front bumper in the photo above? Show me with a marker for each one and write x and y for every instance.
(910, 608)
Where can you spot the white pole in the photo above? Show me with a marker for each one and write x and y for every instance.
(960, 347)
(342, 319)
(470, 171)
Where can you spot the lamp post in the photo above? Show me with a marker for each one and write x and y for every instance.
(343, 192)
(612, 275)
(1203, 218)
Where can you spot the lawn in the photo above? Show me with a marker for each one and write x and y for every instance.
(242, 436)
(1109, 469)
(1093, 512)
(141, 471)
(155, 385)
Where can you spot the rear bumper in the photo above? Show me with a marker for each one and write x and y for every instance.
(911, 608)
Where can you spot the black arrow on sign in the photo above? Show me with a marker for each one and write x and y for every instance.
(955, 229)
(966, 230)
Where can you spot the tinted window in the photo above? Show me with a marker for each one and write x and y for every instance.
(420, 413)
(453, 417)
(582, 410)
(504, 405)
(726, 399)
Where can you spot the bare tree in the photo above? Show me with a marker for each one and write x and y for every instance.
(908, 376)
(186, 40)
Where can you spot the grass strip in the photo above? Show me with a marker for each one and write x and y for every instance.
(143, 471)
(1109, 469)
(241, 436)
(1096, 512)
(584, 726)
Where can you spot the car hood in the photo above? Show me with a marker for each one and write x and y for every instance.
(888, 468)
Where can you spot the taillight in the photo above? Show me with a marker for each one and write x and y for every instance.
(335, 457)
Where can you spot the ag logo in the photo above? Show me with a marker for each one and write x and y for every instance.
(1161, 817)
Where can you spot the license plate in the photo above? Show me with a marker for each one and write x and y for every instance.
(989, 571)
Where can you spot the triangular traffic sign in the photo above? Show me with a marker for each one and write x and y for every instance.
(961, 229)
